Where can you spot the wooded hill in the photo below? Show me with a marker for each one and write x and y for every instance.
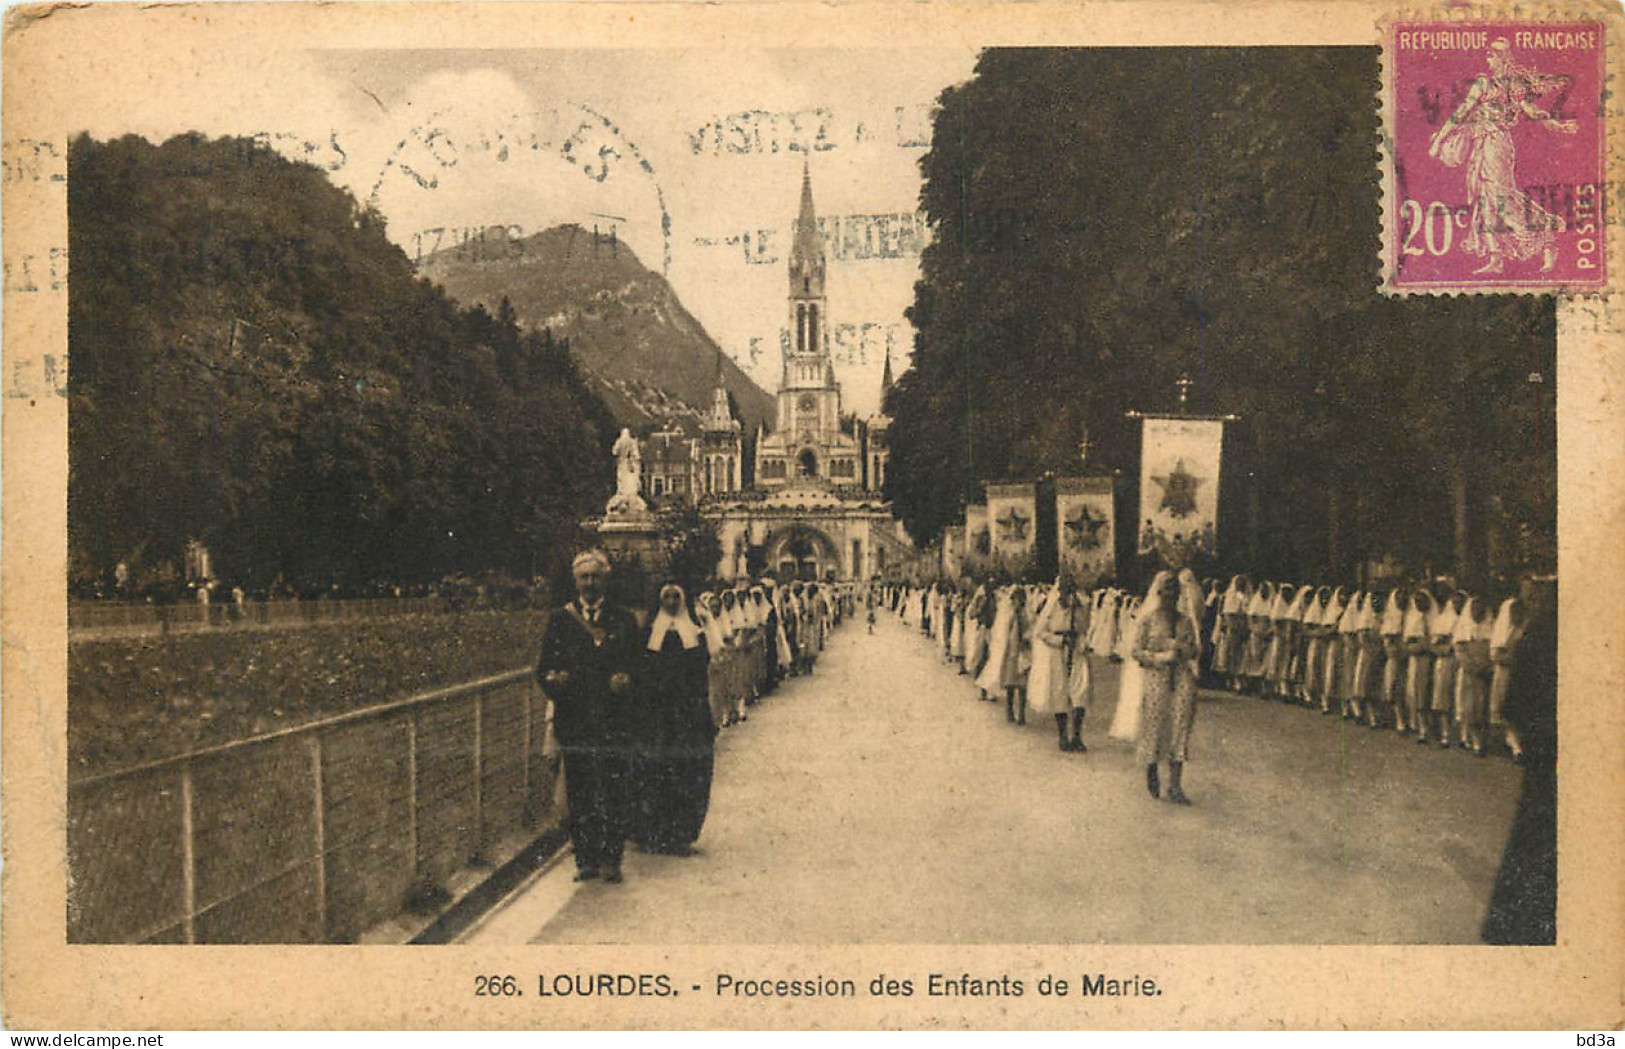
(255, 365)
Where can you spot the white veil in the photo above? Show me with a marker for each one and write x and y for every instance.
(999, 640)
(682, 623)
(1126, 718)
(715, 637)
(1047, 660)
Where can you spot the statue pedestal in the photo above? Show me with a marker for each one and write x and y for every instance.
(624, 535)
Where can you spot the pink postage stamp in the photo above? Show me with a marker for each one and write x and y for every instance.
(1494, 141)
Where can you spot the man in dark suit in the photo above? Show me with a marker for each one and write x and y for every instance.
(1523, 904)
(589, 651)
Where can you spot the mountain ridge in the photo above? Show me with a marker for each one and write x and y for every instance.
(650, 360)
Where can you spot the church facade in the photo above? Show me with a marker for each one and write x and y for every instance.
(814, 508)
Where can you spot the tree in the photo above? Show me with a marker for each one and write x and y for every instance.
(1105, 220)
(255, 365)
(693, 549)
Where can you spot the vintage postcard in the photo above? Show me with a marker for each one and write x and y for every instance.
(670, 515)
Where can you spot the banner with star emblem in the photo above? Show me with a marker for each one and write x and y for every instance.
(1012, 514)
(1084, 533)
(1179, 488)
(978, 542)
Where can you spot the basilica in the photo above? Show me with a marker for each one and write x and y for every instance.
(813, 507)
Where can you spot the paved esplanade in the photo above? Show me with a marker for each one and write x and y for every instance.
(880, 802)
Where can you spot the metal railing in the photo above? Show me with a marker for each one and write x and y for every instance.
(316, 833)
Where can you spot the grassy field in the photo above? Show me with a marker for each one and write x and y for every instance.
(137, 699)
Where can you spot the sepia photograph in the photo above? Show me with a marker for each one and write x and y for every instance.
(752, 493)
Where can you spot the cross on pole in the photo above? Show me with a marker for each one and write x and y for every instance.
(1184, 383)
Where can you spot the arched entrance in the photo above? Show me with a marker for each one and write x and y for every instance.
(802, 552)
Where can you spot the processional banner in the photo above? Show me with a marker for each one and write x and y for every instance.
(978, 543)
(1012, 512)
(1085, 534)
(1179, 488)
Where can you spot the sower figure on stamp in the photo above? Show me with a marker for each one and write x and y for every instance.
(589, 650)
(1504, 221)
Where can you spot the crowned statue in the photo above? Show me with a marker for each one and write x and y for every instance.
(628, 477)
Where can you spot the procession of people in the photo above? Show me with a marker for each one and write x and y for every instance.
(638, 698)
(1428, 659)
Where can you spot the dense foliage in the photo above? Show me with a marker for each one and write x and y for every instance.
(256, 366)
(1105, 220)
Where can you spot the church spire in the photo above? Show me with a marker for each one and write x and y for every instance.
(807, 246)
(885, 378)
(721, 417)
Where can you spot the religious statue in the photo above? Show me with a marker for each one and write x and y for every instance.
(628, 476)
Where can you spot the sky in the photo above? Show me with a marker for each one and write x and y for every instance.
(694, 158)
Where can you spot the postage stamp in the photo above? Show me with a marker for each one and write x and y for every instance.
(1495, 145)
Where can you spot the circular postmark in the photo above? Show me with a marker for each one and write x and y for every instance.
(448, 181)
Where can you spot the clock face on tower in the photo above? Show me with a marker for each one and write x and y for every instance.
(807, 403)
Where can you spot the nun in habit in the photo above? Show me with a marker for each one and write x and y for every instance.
(678, 728)
(1166, 647)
